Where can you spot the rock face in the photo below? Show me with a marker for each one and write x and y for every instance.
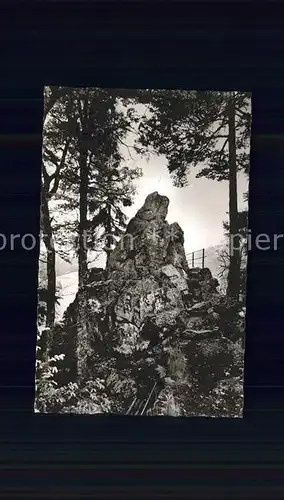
(160, 334)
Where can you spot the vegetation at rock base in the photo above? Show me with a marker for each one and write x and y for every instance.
(146, 335)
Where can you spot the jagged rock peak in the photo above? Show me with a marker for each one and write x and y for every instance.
(153, 322)
(154, 210)
(155, 207)
(149, 242)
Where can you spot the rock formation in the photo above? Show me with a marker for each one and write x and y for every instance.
(160, 335)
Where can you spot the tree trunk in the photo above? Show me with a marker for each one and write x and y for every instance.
(50, 266)
(47, 236)
(83, 338)
(233, 289)
(50, 101)
(109, 238)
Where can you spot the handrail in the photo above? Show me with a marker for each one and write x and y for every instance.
(145, 406)
(193, 258)
(137, 403)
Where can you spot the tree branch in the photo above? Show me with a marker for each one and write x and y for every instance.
(245, 114)
(55, 94)
(46, 178)
(80, 111)
(127, 146)
(59, 167)
(223, 147)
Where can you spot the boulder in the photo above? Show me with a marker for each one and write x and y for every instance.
(147, 308)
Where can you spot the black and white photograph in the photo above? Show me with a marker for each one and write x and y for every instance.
(143, 252)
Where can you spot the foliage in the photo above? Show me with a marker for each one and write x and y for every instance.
(92, 399)
(224, 256)
(190, 128)
(90, 118)
(46, 368)
(204, 129)
(177, 368)
(70, 398)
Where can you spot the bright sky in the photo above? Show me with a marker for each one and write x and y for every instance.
(200, 208)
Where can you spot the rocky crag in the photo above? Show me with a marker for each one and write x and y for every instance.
(161, 338)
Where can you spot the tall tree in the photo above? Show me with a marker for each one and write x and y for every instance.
(113, 188)
(209, 130)
(53, 158)
(95, 126)
(235, 251)
(243, 245)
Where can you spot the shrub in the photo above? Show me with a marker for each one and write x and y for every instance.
(46, 368)
(69, 398)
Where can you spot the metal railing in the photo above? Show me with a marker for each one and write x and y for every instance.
(195, 257)
(140, 406)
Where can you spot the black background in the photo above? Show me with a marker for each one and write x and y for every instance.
(140, 44)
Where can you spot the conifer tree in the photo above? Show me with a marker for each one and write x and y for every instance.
(54, 153)
(94, 181)
(208, 130)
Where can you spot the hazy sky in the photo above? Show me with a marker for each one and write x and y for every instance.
(200, 208)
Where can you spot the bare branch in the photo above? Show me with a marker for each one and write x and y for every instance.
(59, 167)
(222, 148)
(49, 102)
(46, 178)
(127, 146)
(242, 113)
